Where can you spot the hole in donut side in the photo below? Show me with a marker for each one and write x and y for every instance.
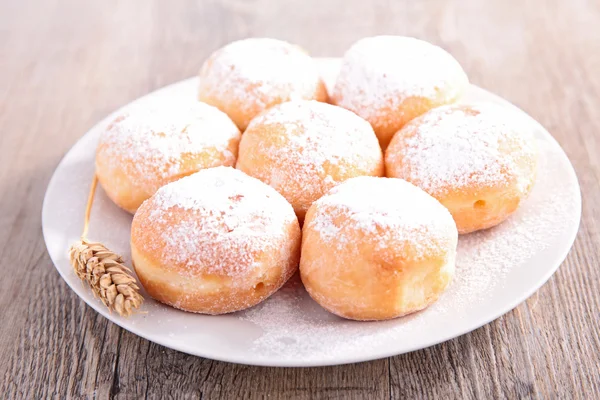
(479, 204)
(259, 287)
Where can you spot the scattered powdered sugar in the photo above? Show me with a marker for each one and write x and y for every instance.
(379, 73)
(390, 210)
(258, 72)
(319, 145)
(454, 147)
(150, 138)
(295, 328)
(230, 218)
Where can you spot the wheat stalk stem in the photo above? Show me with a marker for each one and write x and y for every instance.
(88, 207)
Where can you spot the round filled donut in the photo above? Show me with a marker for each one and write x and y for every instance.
(152, 143)
(377, 248)
(304, 148)
(478, 160)
(215, 242)
(389, 80)
(248, 76)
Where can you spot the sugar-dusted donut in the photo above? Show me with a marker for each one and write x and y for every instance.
(215, 242)
(304, 148)
(478, 160)
(377, 248)
(389, 80)
(154, 142)
(248, 76)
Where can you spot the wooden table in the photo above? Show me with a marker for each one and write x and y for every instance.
(64, 64)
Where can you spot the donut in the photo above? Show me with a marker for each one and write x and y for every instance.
(389, 80)
(214, 242)
(304, 148)
(248, 76)
(377, 248)
(478, 160)
(156, 142)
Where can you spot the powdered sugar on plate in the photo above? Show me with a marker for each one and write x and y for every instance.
(295, 328)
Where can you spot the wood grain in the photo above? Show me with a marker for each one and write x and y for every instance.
(64, 64)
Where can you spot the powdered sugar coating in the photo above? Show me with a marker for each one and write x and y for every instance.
(387, 211)
(218, 221)
(304, 148)
(379, 73)
(153, 141)
(256, 73)
(464, 147)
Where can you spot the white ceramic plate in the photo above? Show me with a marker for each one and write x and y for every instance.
(496, 270)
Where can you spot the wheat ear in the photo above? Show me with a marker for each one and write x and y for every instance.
(103, 270)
